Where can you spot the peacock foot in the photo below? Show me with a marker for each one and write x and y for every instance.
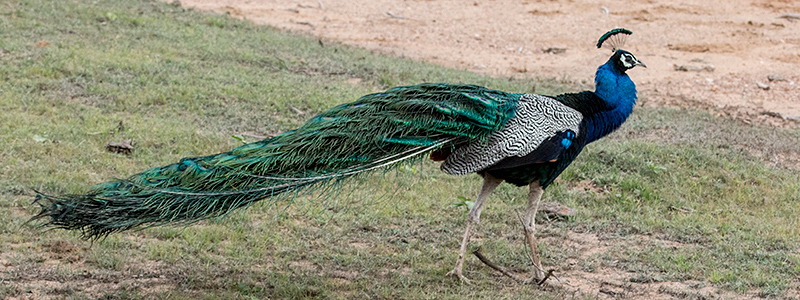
(456, 272)
(538, 273)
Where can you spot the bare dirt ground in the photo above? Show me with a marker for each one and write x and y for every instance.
(708, 54)
(738, 58)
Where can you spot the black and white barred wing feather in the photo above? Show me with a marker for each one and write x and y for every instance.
(537, 119)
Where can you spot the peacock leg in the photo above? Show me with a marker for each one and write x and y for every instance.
(529, 222)
(489, 184)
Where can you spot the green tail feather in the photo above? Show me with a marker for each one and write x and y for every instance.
(377, 131)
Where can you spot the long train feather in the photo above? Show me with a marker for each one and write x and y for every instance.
(378, 131)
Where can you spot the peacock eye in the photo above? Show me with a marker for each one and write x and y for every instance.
(627, 60)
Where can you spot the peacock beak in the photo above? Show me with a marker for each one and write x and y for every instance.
(639, 63)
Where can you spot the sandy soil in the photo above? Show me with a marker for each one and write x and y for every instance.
(710, 54)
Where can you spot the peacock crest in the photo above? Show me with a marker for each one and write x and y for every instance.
(614, 39)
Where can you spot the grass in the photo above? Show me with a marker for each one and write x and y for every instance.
(680, 196)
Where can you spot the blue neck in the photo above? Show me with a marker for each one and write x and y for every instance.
(619, 92)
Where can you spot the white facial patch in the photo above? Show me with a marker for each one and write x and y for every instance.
(627, 60)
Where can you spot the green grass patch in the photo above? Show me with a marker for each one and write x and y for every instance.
(686, 197)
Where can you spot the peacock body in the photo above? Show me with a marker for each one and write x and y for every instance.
(523, 139)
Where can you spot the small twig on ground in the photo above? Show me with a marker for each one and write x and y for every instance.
(393, 15)
(500, 269)
(504, 271)
(610, 292)
(320, 4)
(779, 115)
(297, 111)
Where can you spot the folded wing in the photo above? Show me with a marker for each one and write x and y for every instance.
(538, 124)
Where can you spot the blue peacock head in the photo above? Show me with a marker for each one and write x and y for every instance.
(623, 60)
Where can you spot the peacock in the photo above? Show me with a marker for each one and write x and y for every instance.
(522, 139)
